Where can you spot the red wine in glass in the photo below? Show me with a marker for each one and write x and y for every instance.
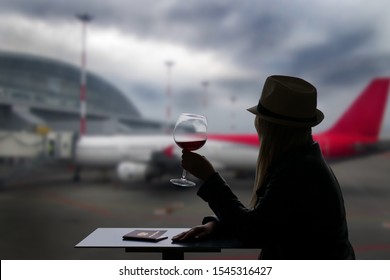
(190, 134)
(191, 145)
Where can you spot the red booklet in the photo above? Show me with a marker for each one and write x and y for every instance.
(145, 235)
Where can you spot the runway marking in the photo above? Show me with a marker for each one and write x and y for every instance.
(79, 204)
(373, 247)
(386, 225)
(386, 154)
(168, 209)
(101, 211)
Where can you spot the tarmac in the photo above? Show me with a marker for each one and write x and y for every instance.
(45, 219)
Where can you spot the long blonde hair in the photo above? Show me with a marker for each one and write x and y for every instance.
(275, 141)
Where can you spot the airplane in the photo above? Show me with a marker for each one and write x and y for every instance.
(355, 133)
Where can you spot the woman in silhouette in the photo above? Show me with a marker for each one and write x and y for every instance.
(297, 208)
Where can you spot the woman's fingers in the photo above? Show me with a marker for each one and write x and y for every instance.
(179, 236)
(197, 165)
(183, 236)
(191, 234)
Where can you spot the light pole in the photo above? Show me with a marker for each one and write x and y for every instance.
(205, 85)
(84, 18)
(168, 112)
(233, 124)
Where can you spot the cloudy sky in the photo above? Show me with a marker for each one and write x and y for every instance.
(233, 45)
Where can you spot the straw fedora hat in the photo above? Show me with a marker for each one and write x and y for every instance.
(288, 101)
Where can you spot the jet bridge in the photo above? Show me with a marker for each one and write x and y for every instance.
(29, 156)
(42, 143)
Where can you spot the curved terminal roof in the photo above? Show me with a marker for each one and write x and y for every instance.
(44, 82)
(42, 90)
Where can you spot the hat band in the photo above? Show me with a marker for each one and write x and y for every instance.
(268, 113)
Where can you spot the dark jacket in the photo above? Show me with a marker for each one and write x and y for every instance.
(300, 212)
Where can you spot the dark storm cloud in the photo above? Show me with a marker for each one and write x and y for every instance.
(43, 9)
(333, 60)
(248, 32)
(219, 24)
(236, 28)
(334, 44)
(352, 71)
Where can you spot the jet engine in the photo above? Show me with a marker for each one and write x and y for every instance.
(129, 171)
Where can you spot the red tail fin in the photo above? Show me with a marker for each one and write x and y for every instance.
(364, 117)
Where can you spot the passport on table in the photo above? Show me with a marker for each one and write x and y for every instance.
(145, 235)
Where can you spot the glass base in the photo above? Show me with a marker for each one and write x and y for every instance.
(183, 182)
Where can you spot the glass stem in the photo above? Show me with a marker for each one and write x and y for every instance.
(184, 174)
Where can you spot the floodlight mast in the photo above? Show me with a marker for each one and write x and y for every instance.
(168, 111)
(84, 18)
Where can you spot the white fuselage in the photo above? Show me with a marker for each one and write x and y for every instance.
(106, 151)
(111, 150)
(357, 130)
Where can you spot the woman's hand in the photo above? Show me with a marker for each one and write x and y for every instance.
(197, 165)
(197, 232)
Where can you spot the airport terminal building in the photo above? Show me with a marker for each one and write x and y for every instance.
(38, 92)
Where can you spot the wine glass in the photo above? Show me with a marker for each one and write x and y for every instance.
(190, 133)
